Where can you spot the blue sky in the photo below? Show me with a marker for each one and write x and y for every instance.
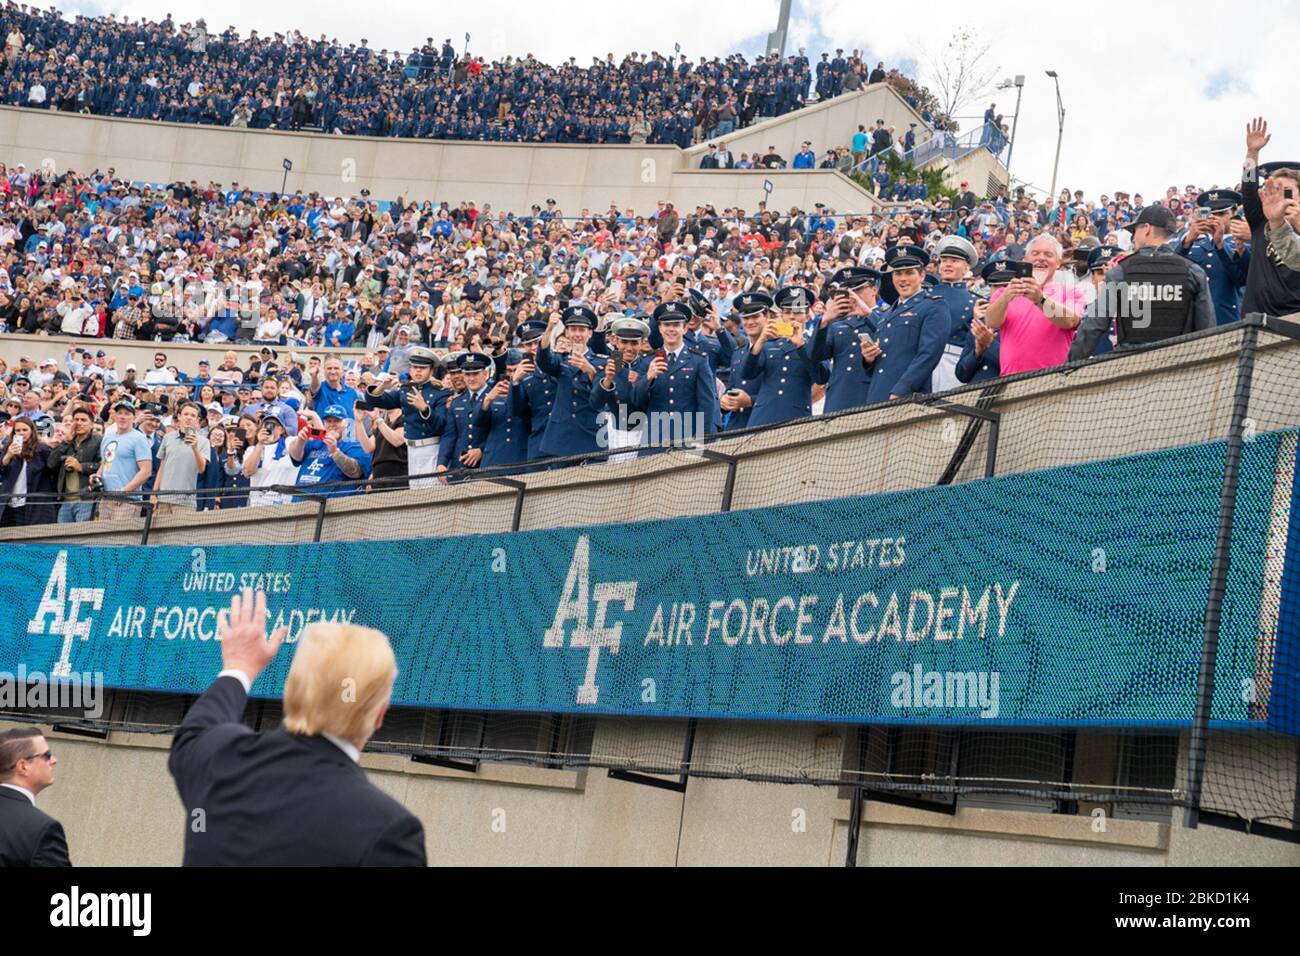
(1149, 102)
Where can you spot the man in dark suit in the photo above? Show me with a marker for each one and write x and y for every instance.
(295, 796)
(28, 836)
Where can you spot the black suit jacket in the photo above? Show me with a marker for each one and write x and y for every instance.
(279, 799)
(29, 836)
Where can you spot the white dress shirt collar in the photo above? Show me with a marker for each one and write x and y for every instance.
(23, 790)
(346, 746)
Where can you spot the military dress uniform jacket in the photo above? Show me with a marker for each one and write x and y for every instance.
(572, 426)
(507, 432)
(972, 368)
(532, 400)
(785, 374)
(418, 425)
(740, 417)
(850, 382)
(1226, 272)
(609, 399)
(961, 309)
(686, 387)
(467, 427)
(911, 335)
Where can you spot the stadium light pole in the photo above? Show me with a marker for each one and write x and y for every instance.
(1019, 84)
(1060, 129)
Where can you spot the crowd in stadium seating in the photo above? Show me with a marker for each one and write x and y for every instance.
(186, 73)
(93, 258)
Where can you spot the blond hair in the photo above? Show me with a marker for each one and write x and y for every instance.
(339, 682)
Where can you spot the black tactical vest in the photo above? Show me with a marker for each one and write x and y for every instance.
(1155, 301)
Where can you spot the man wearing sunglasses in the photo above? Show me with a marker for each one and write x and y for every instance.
(28, 836)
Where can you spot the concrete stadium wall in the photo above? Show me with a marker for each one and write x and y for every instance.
(511, 177)
(1162, 398)
(825, 125)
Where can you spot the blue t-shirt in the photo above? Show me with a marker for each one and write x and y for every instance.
(317, 467)
(122, 455)
(345, 397)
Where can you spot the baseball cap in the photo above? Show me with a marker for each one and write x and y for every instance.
(1158, 216)
(333, 411)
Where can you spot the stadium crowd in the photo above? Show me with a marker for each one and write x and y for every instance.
(187, 74)
(500, 341)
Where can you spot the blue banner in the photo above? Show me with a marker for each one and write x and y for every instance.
(1063, 597)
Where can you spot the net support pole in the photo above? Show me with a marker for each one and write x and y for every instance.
(1219, 570)
(728, 483)
(857, 799)
(520, 489)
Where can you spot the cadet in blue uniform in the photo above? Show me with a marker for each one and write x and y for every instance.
(534, 392)
(462, 441)
(611, 394)
(851, 310)
(572, 426)
(980, 358)
(705, 333)
(1209, 244)
(423, 402)
(782, 363)
(507, 433)
(1100, 261)
(737, 402)
(678, 380)
(910, 334)
(957, 257)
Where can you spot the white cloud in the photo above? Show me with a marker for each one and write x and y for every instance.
(1155, 94)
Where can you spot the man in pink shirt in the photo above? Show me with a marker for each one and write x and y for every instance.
(1037, 316)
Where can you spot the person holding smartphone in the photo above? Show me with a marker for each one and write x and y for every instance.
(912, 331)
(780, 359)
(534, 394)
(1272, 287)
(848, 319)
(678, 381)
(1220, 245)
(737, 402)
(611, 394)
(423, 401)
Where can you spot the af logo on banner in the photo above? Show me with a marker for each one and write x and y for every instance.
(575, 606)
(64, 604)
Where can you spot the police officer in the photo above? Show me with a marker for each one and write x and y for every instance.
(572, 426)
(737, 402)
(611, 394)
(462, 440)
(507, 433)
(534, 394)
(678, 380)
(781, 360)
(979, 358)
(957, 257)
(912, 332)
(851, 311)
(423, 402)
(1151, 295)
(1208, 241)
